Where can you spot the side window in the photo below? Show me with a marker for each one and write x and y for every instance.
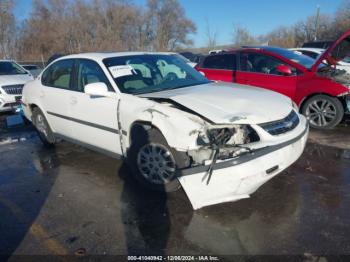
(222, 61)
(58, 74)
(259, 63)
(90, 72)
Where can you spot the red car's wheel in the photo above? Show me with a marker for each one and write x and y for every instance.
(323, 112)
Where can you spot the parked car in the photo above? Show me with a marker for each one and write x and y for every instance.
(216, 51)
(318, 44)
(189, 62)
(320, 90)
(33, 69)
(12, 79)
(220, 141)
(316, 52)
(194, 58)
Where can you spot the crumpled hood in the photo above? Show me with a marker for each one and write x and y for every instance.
(225, 103)
(14, 79)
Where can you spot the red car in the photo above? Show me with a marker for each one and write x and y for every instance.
(319, 89)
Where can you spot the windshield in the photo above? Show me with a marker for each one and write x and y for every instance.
(140, 74)
(11, 68)
(301, 59)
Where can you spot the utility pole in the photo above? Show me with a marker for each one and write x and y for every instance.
(316, 22)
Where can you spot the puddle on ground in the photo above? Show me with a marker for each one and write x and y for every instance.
(303, 210)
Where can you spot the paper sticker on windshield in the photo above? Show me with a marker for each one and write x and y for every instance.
(121, 70)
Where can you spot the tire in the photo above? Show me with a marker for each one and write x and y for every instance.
(323, 112)
(42, 127)
(139, 160)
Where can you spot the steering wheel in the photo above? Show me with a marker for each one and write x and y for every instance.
(171, 77)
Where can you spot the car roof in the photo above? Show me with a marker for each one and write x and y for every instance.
(316, 50)
(265, 48)
(253, 47)
(99, 56)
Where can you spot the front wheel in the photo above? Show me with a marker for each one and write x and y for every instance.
(153, 162)
(323, 112)
(42, 126)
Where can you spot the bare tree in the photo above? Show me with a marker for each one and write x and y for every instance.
(242, 36)
(282, 36)
(305, 31)
(210, 34)
(342, 19)
(169, 26)
(7, 29)
(64, 26)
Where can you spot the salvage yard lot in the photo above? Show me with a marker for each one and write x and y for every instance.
(69, 200)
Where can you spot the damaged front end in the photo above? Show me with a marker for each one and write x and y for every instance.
(221, 143)
(341, 77)
(337, 75)
(233, 161)
(228, 157)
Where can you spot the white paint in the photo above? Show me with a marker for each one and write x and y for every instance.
(221, 102)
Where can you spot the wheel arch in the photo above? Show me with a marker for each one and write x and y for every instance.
(303, 101)
(146, 125)
(36, 105)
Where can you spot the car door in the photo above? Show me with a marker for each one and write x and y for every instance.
(94, 118)
(259, 70)
(54, 94)
(219, 67)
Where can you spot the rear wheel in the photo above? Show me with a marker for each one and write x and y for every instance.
(42, 126)
(323, 112)
(153, 162)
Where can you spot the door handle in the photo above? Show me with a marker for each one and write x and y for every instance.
(73, 100)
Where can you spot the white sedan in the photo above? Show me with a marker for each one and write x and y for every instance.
(174, 127)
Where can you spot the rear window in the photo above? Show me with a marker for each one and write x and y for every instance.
(222, 61)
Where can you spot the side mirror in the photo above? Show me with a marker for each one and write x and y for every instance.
(284, 70)
(97, 89)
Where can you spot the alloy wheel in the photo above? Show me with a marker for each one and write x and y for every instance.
(156, 163)
(321, 112)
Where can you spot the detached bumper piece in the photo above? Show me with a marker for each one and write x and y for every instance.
(239, 177)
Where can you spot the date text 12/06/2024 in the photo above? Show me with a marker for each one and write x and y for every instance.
(173, 258)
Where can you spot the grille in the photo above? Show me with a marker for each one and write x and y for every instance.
(14, 104)
(282, 126)
(13, 89)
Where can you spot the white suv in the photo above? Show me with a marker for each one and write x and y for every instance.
(220, 141)
(12, 79)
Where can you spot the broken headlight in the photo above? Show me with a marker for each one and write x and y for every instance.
(220, 136)
(237, 135)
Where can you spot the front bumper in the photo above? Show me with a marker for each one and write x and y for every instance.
(237, 178)
(9, 102)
